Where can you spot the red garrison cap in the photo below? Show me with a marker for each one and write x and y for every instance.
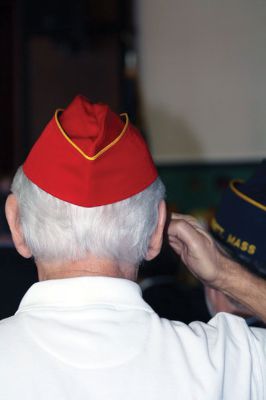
(89, 156)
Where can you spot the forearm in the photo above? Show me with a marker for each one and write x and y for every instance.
(246, 288)
(209, 263)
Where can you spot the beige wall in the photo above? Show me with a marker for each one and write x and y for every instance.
(203, 78)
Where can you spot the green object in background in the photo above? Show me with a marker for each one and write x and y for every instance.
(194, 188)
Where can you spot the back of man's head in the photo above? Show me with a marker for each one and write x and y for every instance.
(56, 230)
(88, 186)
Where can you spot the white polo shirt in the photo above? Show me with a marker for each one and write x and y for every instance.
(96, 338)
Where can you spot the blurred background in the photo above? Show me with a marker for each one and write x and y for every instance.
(191, 76)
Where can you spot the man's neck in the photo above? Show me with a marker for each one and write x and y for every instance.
(90, 266)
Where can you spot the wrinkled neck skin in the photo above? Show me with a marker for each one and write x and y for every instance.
(90, 266)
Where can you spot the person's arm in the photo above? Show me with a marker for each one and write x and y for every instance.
(208, 263)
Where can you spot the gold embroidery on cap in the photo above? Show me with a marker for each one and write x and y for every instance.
(243, 245)
(244, 196)
(92, 158)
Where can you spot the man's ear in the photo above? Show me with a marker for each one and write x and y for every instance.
(13, 219)
(156, 240)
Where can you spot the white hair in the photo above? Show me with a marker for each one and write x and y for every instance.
(55, 230)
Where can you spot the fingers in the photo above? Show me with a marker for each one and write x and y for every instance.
(195, 246)
(184, 217)
(183, 238)
(186, 228)
(177, 246)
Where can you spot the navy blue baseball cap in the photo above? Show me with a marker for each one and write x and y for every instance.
(240, 221)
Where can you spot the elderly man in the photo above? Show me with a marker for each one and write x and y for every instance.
(239, 227)
(88, 206)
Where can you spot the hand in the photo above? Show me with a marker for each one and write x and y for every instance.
(197, 249)
(213, 267)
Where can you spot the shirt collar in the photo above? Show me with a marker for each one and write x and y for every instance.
(81, 291)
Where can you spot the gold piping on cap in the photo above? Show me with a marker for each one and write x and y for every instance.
(92, 158)
(244, 196)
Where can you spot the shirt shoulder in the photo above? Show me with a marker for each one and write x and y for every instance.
(218, 349)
